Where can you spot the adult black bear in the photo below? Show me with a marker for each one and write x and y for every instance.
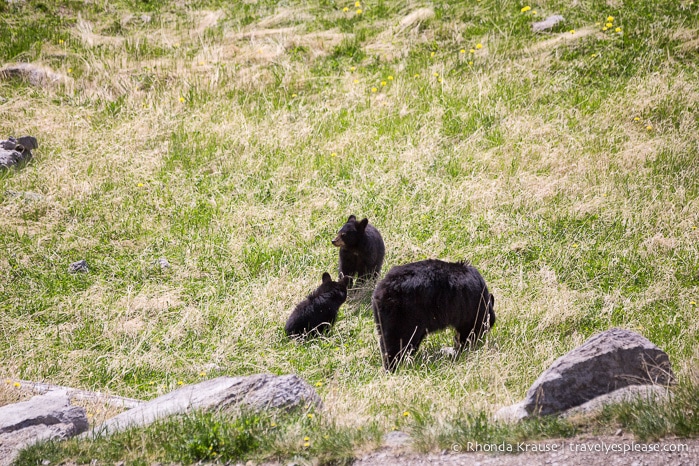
(361, 249)
(317, 313)
(421, 297)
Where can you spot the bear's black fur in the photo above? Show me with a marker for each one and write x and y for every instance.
(317, 313)
(421, 297)
(361, 249)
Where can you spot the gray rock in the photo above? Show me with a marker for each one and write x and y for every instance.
(78, 267)
(656, 393)
(547, 24)
(163, 263)
(261, 391)
(397, 439)
(42, 417)
(16, 151)
(606, 362)
(36, 75)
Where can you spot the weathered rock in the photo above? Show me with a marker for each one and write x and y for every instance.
(78, 267)
(36, 75)
(547, 24)
(42, 417)
(75, 394)
(657, 393)
(261, 391)
(16, 151)
(606, 362)
(163, 263)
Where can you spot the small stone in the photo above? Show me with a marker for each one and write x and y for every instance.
(78, 267)
(163, 263)
(618, 432)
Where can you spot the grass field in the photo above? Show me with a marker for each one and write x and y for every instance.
(234, 139)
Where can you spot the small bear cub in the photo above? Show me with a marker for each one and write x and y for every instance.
(422, 297)
(361, 249)
(317, 313)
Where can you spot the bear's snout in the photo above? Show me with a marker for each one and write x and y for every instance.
(338, 242)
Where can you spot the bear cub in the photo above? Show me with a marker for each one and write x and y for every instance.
(361, 249)
(317, 313)
(426, 296)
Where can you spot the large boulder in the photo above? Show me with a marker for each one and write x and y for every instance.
(43, 417)
(606, 362)
(261, 391)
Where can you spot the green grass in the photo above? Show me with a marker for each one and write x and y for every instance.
(562, 165)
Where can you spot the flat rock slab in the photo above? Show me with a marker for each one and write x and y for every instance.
(43, 417)
(606, 362)
(261, 391)
(547, 24)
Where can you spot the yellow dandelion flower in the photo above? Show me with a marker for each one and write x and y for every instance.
(353, 68)
(416, 75)
(140, 185)
(320, 384)
(610, 19)
(383, 83)
(470, 62)
(572, 31)
(462, 51)
(202, 374)
(525, 9)
(373, 89)
(406, 414)
(60, 41)
(649, 127)
(479, 46)
(179, 382)
(357, 4)
(534, 13)
(307, 439)
(356, 81)
(617, 30)
(432, 54)
(636, 119)
(593, 55)
(310, 416)
(359, 11)
(435, 74)
(575, 245)
(306, 444)
(693, 303)
(390, 78)
(345, 9)
(604, 29)
(70, 70)
(181, 99)
(17, 384)
(439, 80)
(608, 25)
(273, 424)
(294, 95)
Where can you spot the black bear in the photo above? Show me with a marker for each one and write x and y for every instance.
(317, 313)
(361, 249)
(421, 297)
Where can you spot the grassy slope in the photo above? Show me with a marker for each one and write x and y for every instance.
(234, 139)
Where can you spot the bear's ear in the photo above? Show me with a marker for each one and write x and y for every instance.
(351, 218)
(327, 277)
(492, 300)
(364, 223)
